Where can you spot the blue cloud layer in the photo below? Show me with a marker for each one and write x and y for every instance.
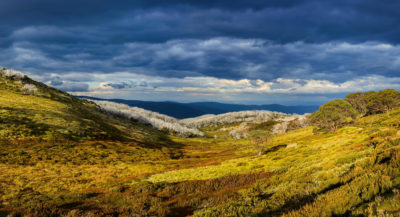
(74, 44)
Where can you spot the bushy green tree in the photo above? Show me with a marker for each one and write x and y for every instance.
(333, 115)
(359, 100)
(383, 101)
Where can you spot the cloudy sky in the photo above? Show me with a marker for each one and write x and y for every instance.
(249, 51)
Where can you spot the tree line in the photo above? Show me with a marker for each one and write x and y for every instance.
(337, 113)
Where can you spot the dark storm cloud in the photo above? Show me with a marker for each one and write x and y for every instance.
(126, 84)
(49, 11)
(304, 39)
(56, 81)
(217, 57)
(73, 87)
(283, 21)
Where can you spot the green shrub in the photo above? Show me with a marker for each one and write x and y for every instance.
(333, 115)
(359, 101)
(383, 101)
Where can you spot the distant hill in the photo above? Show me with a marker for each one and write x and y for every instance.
(190, 110)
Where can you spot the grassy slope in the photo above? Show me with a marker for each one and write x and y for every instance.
(53, 113)
(62, 152)
(60, 155)
(310, 179)
(55, 147)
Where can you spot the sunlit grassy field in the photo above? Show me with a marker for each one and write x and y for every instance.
(62, 157)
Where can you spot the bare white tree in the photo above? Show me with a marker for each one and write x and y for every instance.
(157, 120)
(255, 116)
(10, 73)
(29, 89)
(191, 126)
(290, 123)
(240, 132)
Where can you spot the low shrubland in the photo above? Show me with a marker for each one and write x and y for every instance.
(335, 173)
(374, 102)
(333, 115)
(337, 113)
(61, 156)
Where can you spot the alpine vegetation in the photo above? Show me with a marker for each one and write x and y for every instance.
(29, 89)
(274, 126)
(12, 74)
(291, 122)
(157, 120)
(255, 116)
(242, 131)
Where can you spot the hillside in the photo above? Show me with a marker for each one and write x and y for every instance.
(63, 156)
(191, 110)
(47, 113)
(192, 126)
(158, 121)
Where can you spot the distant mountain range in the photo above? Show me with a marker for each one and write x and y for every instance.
(189, 110)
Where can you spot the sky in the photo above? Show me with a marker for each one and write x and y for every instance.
(291, 52)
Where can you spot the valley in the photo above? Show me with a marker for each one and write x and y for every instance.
(64, 156)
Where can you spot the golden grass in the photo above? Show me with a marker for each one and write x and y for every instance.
(149, 173)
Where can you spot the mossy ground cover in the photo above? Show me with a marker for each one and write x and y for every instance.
(93, 173)
(60, 156)
(326, 174)
(148, 181)
(329, 148)
(55, 153)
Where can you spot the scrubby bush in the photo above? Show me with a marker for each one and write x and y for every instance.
(359, 100)
(333, 115)
(383, 101)
(367, 103)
